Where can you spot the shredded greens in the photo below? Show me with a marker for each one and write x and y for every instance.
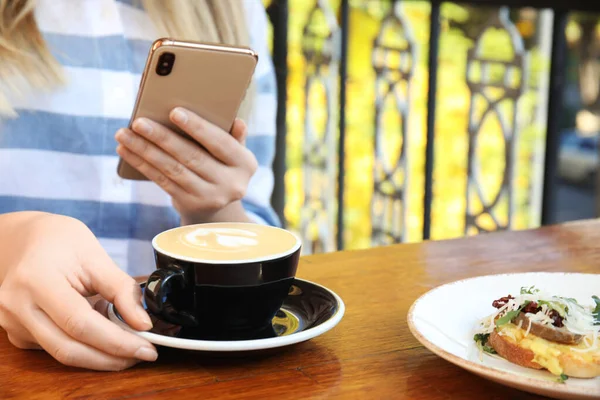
(529, 290)
(481, 340)
(561, 309)
(509, 316)
(596, 311)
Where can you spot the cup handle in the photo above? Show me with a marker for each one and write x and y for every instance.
(158, 285)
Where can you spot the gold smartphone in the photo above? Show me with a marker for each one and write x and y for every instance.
(208, 79)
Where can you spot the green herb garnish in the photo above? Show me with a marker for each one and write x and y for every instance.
(529, 290)
(481, 340)
(509, 316)
(596, 311)
(562, 378)
(488, 349)
(506, 318)
(481, 337)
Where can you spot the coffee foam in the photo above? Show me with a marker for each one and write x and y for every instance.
(226, 242)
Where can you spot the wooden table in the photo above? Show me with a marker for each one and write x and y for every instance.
(369, 355)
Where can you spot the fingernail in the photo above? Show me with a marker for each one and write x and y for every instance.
(179, 116)
(142, 126)
(146, 354)
(145, 318)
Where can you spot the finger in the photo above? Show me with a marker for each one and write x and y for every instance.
(240, 131)
(68, 351)
(219, 143)
(81, 322)
(115, 286)
(151, 173)
(17, 334)
(188, 153)
(20, 343)
(170, 169)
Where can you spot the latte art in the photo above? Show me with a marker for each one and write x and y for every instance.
(221, 239)
(226, 242)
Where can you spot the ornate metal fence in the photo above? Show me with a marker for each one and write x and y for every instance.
(393, 61)
(320, 49)
(497, 85)
(508, 85)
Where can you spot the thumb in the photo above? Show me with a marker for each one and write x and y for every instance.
(113, 284)
(239, 131)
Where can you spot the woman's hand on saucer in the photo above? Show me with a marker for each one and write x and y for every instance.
(207, 180)
(55, 262)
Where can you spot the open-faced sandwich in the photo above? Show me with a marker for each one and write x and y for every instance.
(542, 331)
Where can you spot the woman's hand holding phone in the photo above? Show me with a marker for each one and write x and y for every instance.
(207, 179)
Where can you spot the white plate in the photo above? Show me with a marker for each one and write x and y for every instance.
(316, 308)
(448, 331)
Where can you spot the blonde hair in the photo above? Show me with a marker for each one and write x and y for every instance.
(27, 64)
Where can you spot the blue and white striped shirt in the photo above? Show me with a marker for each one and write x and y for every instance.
(59, 155)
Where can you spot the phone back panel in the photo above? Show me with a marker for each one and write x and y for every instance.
(210, 80)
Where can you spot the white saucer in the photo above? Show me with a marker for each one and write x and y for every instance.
(309, 310)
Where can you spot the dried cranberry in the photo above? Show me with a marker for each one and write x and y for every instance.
(557, 320)
(501, 302)
(532, 308)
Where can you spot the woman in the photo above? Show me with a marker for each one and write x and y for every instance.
(69, 228)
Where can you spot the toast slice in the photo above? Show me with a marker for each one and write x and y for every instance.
(511, 351)
(531, 351)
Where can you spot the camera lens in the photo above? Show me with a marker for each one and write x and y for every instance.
(165, 64)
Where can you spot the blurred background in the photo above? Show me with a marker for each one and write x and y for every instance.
(507, 98)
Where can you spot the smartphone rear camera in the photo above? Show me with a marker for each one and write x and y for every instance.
(165, 64)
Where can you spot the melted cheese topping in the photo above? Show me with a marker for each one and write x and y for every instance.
(547, 353)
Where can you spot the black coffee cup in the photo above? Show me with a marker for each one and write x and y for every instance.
(216, 294)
